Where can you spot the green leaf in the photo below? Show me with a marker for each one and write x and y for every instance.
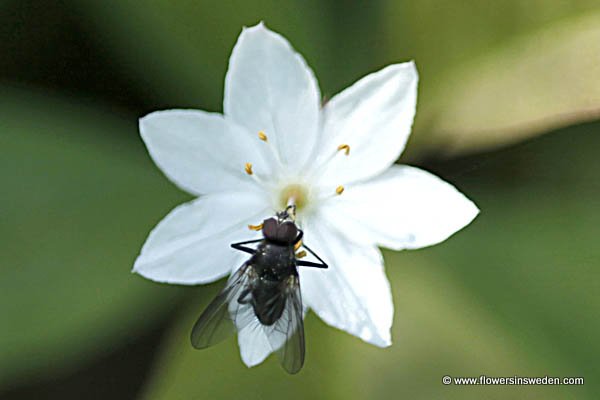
(495, 73)
(76, 205)
(515, 293)
(533, 84)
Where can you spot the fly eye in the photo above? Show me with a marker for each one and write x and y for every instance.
(287, 232)
(270, 228)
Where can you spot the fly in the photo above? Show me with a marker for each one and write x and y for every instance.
(263, 293)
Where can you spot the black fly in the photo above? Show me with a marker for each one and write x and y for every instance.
(264, 291)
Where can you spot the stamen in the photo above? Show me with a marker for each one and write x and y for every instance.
(263, 136)
(255, 227)
(318, 169)
(256, 177)
(339, 190)
(297, 245)
(344, 147)
(301, 254)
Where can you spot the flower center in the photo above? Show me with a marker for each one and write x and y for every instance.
(294, 194)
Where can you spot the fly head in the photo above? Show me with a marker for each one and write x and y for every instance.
(284, 232)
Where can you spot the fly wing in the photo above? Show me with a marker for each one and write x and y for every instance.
(286, 335)
(228, 311)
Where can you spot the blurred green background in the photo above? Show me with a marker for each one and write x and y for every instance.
(508, 99)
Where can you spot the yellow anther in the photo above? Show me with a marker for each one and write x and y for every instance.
(344, 147)
(262, 136)
(297, 245)
(301, 254)
(339, 189)
(248, 168)
(255, 227)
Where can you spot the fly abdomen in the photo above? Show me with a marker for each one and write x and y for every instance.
(268, 302)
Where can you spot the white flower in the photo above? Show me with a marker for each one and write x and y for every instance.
(274, 142)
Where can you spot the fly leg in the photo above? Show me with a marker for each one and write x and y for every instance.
(244, 297)
(240, 246)
(299, 237)
(301, 263)
(321, 264)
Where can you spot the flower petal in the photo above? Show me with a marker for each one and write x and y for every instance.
(200, 151)
(191, 244)
(353, 294)
(254, 345)
(403, 208)
(374, 117)
(270, 88)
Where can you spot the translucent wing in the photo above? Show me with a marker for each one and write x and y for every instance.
(230, 309)
(286, 335)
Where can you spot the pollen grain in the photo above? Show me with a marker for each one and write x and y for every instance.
(297, 245)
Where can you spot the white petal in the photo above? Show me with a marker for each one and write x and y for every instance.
(270, 88)
(200, 151)
(191, 244)
(254, 345)
(374, 117)
(353, 294)
(403, 208)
